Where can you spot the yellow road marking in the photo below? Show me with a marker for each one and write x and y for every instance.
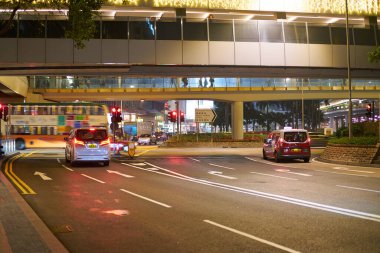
(24, 188)
(145, 151)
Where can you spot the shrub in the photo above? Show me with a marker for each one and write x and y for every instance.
(355, 140)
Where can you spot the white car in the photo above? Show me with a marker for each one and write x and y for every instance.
(146, 139)
(88, 145)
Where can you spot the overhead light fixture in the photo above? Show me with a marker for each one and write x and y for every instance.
(333, 20)
(291, 19)
(249, 17)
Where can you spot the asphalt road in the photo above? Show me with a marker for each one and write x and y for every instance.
(167, 201)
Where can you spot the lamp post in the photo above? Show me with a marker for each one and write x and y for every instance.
(349, 76)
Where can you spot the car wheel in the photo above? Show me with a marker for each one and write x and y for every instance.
(277, 157)
(306, 160)
(72, 162)
(67, 160)
(106, 163)
(264, 155)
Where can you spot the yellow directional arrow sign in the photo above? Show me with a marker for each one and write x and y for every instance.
(205, 115)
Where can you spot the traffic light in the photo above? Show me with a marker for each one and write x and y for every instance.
(182, 116)
(369, 111)
(5, 113)
(172, 116)
(116, 114)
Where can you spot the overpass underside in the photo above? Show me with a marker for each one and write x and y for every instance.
(228, 94)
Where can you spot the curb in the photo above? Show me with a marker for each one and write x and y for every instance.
(318, 159)
(44, 232)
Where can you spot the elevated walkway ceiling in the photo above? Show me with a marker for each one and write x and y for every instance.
(13, 88)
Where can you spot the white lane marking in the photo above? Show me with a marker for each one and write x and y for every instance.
(148, 199)
(131, 164)
(355, 188)
(289, 200)
(288, 178)
(220, 166)
(347, 169)
(278, 246)
(67, 168)
(194, 159)
(151, 168)
(219, 174)
(295, 173)
(59, 161)
(138, 164)
(250, 159)
(348, 174)
(97, 180)
(271, 163)
(42, 175)
(119, 173)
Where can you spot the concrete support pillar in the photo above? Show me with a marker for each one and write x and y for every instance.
(331, 122)
(237, 120)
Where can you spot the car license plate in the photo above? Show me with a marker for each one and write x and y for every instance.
(296, 150)
(91, 145)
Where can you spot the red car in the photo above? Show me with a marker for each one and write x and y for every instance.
(287, 144)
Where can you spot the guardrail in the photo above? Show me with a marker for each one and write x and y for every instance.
(7, 146)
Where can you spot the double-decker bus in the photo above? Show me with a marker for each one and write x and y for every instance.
(44, 125)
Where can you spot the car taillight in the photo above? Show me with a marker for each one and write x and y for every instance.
(309, 140)
(105, 142)
(76, 141)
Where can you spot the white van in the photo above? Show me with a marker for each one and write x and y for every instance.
(88, 145)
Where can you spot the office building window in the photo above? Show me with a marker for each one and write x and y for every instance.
(142, 30)
(97, 30)
(338, 36)
(12, 32)
(32, 28)
(169, 29)
(56, 28)
(319, 34)
(246, 31)
(193, 30)
(114, 29)
(270, 31)
(221, 30)
(295, 33)
(365, 36)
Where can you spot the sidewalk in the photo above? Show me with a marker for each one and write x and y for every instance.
(21, 230)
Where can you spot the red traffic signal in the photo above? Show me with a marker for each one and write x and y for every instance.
(369, 110)
(172, 116)
(116, 114)
(182, 116)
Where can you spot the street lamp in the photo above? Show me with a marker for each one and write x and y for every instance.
(349, 77)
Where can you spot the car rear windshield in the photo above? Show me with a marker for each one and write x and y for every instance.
(295, 136)
(91, 135)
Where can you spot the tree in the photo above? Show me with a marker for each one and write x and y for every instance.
(374, 56)
(81, 14)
